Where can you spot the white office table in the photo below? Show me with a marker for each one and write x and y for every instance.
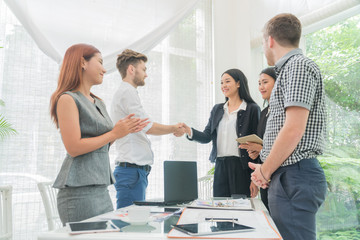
(156, 233)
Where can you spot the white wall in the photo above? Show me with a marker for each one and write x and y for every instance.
(232, 44)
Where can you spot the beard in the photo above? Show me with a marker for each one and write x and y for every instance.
(138, 81)
(269, 57)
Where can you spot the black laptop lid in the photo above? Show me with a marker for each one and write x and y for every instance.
(180, 181)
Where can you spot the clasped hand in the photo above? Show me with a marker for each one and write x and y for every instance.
(181, 129)
(257, 177)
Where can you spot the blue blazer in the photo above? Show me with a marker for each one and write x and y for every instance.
(246, 124)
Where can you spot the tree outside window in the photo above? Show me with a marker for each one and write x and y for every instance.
(336, 49)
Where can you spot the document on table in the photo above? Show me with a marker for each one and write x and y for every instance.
(225, 204)
(255, 219)
(155, 215)
(118, 214)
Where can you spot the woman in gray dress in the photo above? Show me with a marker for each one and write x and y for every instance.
(87, 133)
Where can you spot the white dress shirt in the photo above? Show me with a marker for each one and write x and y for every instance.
(135, 147)
(226, 135)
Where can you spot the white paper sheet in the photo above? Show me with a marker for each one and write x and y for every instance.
(121, 214)
(226, 204)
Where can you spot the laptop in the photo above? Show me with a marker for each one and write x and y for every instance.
(180, 184)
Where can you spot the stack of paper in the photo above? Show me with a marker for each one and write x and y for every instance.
(227, 204)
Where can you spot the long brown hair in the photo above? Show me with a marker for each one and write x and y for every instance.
(70, 76)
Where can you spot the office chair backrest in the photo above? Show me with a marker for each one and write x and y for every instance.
(48, 195)
(5, 212)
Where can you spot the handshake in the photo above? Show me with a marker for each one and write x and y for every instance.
(180, 129)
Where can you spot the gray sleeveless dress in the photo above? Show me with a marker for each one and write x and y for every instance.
(83, 180)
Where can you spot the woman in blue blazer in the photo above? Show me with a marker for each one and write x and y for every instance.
(237, 117)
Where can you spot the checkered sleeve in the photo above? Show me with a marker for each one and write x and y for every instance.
(301, 86)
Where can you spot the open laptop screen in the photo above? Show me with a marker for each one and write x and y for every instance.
(180, 181)
(180, 184)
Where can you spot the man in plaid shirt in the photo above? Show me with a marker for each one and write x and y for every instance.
(295, 133)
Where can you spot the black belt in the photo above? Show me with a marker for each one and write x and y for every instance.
(146, 168)
(303, 163)
(228, 157)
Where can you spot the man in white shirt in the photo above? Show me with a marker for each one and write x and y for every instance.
(134, 154)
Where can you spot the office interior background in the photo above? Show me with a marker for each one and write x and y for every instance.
(189, 45)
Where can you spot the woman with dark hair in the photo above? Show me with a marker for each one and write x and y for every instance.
(266, 83)
(237, 117)
(87, 132)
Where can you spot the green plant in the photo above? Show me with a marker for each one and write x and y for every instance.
(339, 216)
(343, 201)
(349, 234)
(336, 50)
(5, 127)
(211, 171)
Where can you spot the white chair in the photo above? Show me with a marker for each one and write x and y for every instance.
(6, 212)
(205, 187)
(48, 195)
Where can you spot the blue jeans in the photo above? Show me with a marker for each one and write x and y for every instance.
(295, 194)
(130, 185)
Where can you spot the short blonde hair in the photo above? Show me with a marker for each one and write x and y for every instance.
(126, 58)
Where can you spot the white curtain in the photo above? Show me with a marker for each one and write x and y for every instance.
(179, 89)
(111, 25)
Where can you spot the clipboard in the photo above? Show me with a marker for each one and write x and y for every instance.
(250, 138)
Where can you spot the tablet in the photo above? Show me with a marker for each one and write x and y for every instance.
(91, 227)
(212, 227)
(250, 138)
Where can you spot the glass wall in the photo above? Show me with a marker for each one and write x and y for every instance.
(336, 49)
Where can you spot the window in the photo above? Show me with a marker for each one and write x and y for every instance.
(336, 50)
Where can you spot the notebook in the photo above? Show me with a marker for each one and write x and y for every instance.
(250, 138)
(180, 184)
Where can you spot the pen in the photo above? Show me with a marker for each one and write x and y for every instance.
(220, 219)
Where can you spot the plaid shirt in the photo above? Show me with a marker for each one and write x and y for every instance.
(298, 83)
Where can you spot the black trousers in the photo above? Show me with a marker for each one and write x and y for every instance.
(230, 177)
(264, 198)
